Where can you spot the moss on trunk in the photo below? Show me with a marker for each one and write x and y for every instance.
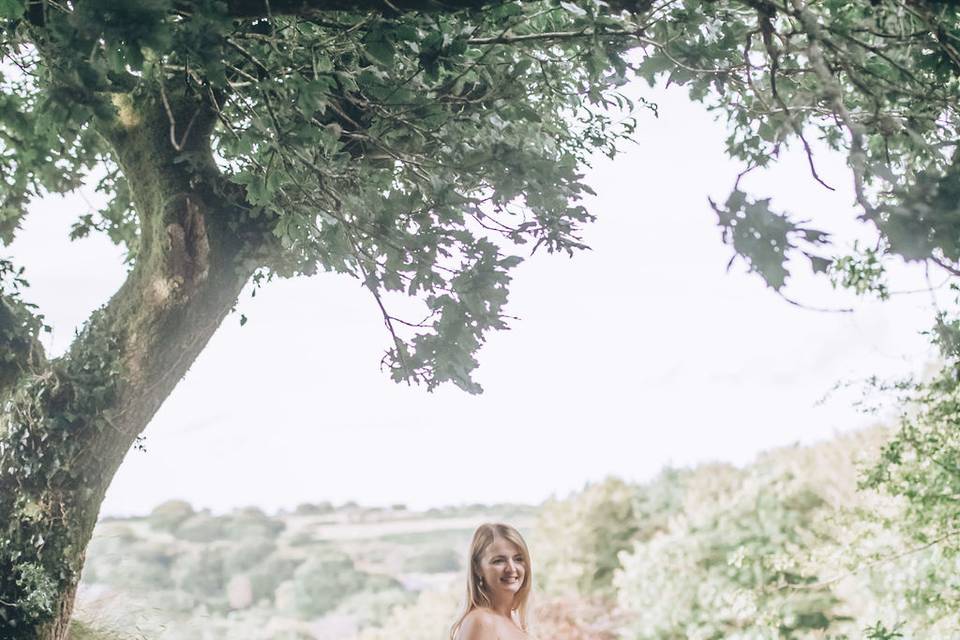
(66, 426)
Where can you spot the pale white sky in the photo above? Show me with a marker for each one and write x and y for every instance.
(640, 353)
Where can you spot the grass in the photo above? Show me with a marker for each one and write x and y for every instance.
(80, 630)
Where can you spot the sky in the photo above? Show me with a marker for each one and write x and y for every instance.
(641, 353)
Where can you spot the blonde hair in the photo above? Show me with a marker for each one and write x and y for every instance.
(477, 596)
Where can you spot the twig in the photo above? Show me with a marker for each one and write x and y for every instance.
(945, 265)
(173, 123)
(387, 318)
(809, 308)
(833, 92)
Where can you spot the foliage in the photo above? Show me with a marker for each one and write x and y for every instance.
(580, 538)
(428, 618)
(324, 581)
(311, 509)
(410, 149)
(20, 324)
(251, 523)
(201, 573)
(920, 465)
(729, 569)
(922, 462)
(248, 554)
(371, 607)
(879, 631)
(269, 574)
(918, 588)
(39, 424)
(169, 515)
(401, 149)
(202, 527)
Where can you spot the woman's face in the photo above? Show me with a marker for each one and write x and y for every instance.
(503, 567)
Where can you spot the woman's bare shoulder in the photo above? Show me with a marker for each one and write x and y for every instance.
(479, 624)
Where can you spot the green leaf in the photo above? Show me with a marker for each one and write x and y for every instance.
(12, 9)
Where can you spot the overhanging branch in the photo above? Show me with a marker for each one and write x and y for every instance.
(307, 8)
(563, 35)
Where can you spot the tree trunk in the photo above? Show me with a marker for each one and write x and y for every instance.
(66, 425)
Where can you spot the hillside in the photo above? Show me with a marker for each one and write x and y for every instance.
(319, 572)
(786, 547)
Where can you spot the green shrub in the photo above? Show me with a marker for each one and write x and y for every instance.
(247, 554)
(266, 576)
(314, 509)
(324, 581)
(201, 573)
(202, 527)
(429, 618)
(370, 608)
(141, 567)
(169, 515)
(302, 538)
(733, 566)
(251, 522)
(578, 539)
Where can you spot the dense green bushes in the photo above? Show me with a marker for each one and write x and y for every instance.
(169, 515)
(328, 578)
(730, 566)
(788, 547)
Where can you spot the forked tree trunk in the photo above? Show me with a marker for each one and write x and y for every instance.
(66, 425)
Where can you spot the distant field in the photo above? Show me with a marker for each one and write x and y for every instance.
(180, 574)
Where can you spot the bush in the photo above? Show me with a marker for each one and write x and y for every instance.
(201, 573)
(429, 618)
(578, 539)
(169, 515)
(109, 546)
(321, 583)
(317, 509)
(302, 538)
(142, 566)
(251, 522)
(266, 576)
(732, 567)
(246, 555)
(370, 608)
(201, 527)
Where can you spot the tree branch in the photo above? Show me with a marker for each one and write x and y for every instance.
(306, 8)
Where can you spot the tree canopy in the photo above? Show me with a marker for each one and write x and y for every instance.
(401, 144)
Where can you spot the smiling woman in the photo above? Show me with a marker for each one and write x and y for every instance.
(498, 586)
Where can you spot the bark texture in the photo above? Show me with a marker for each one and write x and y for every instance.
(67, 424)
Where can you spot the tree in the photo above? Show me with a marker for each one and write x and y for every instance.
(412, 144)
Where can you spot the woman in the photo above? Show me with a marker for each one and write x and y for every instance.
(498, 585)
